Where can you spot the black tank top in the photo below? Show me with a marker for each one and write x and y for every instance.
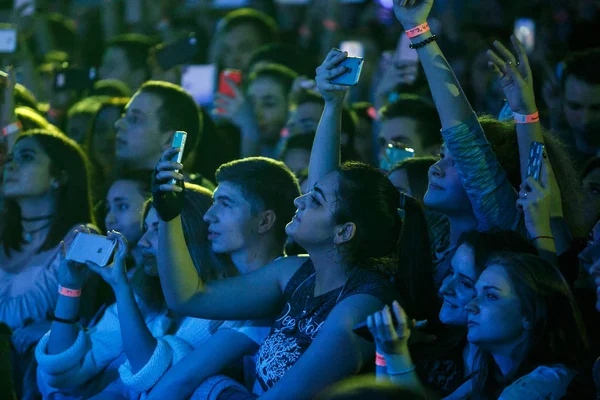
(303, 316)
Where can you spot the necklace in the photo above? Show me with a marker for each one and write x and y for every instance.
(28, 235)
(305, 308)
(42, 218)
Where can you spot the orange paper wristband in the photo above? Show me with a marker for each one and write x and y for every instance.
(69, 292)
(526, 119)
(418, 30)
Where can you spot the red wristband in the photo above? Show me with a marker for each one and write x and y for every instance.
(69, 292)
(418, 30)
(380, 360)
(526, 119)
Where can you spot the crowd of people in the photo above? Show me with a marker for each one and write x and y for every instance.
(432, 231)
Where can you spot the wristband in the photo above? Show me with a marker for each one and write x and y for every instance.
(542, 237)
(425, 42)
(11, 129)
(63, 320)
(526, 119)
(418, 30)
(69, 292)
(380, 360)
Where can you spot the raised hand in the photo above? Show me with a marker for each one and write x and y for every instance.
(412, 13)
(330, 69)
(71, 274)
(116, 273)
(390, 338)
(515, 76)
(167, 197)
(237, 109)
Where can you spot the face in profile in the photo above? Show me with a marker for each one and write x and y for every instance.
(496, 322)
(314, 225)
(148, 243)
(232, 224)
(27, 171)
(124, 208)
(446, 193)
(139, 139)
(458, 288)
(269, 102)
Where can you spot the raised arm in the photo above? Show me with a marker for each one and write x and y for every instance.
(251, 296)
(325, 154)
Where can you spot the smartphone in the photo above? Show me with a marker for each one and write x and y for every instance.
(8, 38)
(178, 143)
(403, 51)
(199, 82)
(233, 75)
(75, 78)
(534, 164)
(524, 30)
(353, 47)
(180, 52)
(363, 331)
(352, 75)
(90, 247)
(394, 153)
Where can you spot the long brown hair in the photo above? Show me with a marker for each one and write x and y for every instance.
(73, 198)
(558, 334)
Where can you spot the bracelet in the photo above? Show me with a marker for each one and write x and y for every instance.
(63, 320)
(542, 237)
(380, 360)
(330, 25)
(11, 129)
(425, 42)
(403, 372)
(69, 292)
(418, 30)
(526, 119)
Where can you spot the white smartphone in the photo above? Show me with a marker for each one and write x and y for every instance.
(90, 247)
(8, 38)
(403, 51)
(353, 47)
(525, 32)
(199, 82)
(178, 142)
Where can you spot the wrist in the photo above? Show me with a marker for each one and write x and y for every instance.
(540, 230)
(122, 289)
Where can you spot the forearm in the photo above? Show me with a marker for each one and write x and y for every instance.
(527, 133)
(178, 276)
(138, 342)
(325, 155)
(63, 335)
(451, 103)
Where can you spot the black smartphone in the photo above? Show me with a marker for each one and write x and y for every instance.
(75, 78)
(534, 165)
(363, 331)
(183, 51)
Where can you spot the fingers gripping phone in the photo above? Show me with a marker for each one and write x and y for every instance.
(90, 247)
(534, 165)
(227, 75)
(178, 143)
(352, 75)
(362, 329)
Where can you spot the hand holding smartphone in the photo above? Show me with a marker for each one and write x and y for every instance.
(90, 247)
(352, 75)
(178, 143)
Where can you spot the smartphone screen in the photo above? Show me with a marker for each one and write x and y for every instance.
(177, 53)
(394, 153)
(8, 38)
(229, 3)
(199, 82)
(525, 32)
(178, 143)
(75, 78)
(353, 47)
(403, 51)
(534, 164)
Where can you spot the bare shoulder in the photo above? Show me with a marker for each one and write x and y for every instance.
(286, 267)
